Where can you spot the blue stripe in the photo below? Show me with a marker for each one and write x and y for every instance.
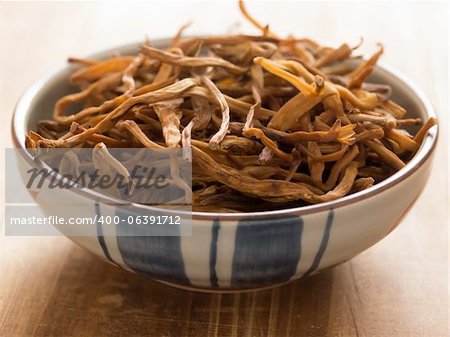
(266, 251)
(151, 248)
(213, 254)
(101, 238)
(323, 244)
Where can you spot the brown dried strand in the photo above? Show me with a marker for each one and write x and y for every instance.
(186, 141)
(215, 140)
(339, 166)
(100, 69)
(264, 29)
(405, 142)
(382, 121)
(362, 184)
(178, 36)
(81, 61)
(334, 55)
(360, 74)
(187, 61)
(388, 156)
(420, 135)
(369, 134)
(135, 130)
(169, 115)
(253, 132)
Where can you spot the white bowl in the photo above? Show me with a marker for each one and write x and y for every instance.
(243, 251)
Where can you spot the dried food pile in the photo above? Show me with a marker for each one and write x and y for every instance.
(269, 122)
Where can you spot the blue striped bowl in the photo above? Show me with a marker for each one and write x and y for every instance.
(242, 251)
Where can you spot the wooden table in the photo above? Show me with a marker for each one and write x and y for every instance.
(50, 287)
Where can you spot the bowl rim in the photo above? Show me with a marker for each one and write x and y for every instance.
(420, 158)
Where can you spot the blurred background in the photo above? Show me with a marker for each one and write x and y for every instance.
(399, 286)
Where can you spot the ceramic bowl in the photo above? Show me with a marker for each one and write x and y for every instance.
(245, 251)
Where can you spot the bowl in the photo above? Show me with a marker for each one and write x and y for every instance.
(240, 251)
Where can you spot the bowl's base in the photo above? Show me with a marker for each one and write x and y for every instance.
(222, 290)
(245, 290)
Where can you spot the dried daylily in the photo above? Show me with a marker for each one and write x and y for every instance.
(187, 61)
(267, 122)
(334, 55)
(360, 74)
(203, 111)
(221, 133)
(186, 141)
(169, 115)
(106, 164)
(98, 70)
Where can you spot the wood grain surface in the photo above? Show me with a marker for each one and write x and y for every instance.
(399, 287)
